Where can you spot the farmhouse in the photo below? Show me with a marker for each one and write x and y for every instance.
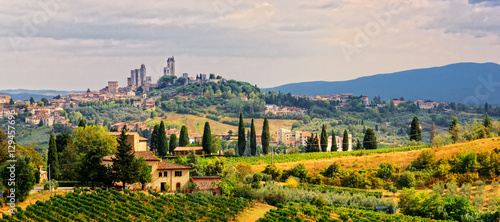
(166, 176)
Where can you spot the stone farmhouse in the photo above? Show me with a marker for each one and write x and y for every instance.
(167, 176)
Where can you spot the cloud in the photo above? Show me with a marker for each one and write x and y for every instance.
(264, 42)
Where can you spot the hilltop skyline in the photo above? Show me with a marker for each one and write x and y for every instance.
(82, 45)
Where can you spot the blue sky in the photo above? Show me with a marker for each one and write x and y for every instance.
(75, 45)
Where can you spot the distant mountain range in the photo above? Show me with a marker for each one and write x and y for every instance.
(470, 83)
(26, 94)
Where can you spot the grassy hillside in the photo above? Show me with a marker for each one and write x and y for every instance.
(402, 158)
(197, 123)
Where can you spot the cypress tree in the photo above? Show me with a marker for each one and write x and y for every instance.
(370, 140)
(125, 169)
(154, 138)
(453, 129)
(161, 138)
(253, 140)
(82, 123)
(345, 141)
(487, 122)
(265, 137)
(241, 136)
(62, 140)
(172, 143)
(334, 142)
(207, 139)
(433, 131)
(324, 139)
(415, 131)
(52, 159)
(184, 137)
(312, 143)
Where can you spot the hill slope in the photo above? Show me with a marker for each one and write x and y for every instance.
(452, 83)
(25, 94)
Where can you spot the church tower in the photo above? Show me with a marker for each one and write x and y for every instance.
(170, 69)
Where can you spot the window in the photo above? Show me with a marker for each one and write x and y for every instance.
(165, 174)
(178, 173)
(159, 174)
(178, 185)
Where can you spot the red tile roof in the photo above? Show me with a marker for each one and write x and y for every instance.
(205, 183)
(147, 155)
(163, 165)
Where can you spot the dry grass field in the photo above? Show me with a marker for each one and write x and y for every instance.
(400, 158)
(197, 123)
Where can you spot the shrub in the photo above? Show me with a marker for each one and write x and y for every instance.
(274, 171)
(257, 177)
(438, 188)
(319, 201)
(469, 177)
(407, 179)
(331, 170)
(456, 207)
(463, 163)
(466, 190)
(248, 179)
(243, 169)
(53, 183)
(275, 196)
(292, 182)
(494, 186)
(386, 170)
(266, 177)
(480, 186)
(300, 171)
(492, 203)
(229, 152)
(478, 201)
(451, 188)
(425, 160)
(355, 180)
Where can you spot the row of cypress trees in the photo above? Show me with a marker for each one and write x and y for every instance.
(266, 137)
(162, 145)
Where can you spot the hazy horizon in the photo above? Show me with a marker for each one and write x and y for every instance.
(62, 45)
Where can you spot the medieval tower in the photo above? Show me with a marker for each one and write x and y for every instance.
(170, 69)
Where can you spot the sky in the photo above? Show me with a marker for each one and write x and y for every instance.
(75, 45)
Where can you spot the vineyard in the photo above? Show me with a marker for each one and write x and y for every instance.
(307, 212)
(316, 155)
(130, 206)
(331, 189)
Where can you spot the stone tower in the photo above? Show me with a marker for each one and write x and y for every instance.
(170, 69)
(142, 73)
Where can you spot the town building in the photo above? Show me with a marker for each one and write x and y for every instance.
(139, 77)
(4, 99)
(137, 142)
(289, 138)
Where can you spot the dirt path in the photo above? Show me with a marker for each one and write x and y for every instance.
(254, 213)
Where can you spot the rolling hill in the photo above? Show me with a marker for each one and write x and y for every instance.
(25, 94)
(470, 83)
